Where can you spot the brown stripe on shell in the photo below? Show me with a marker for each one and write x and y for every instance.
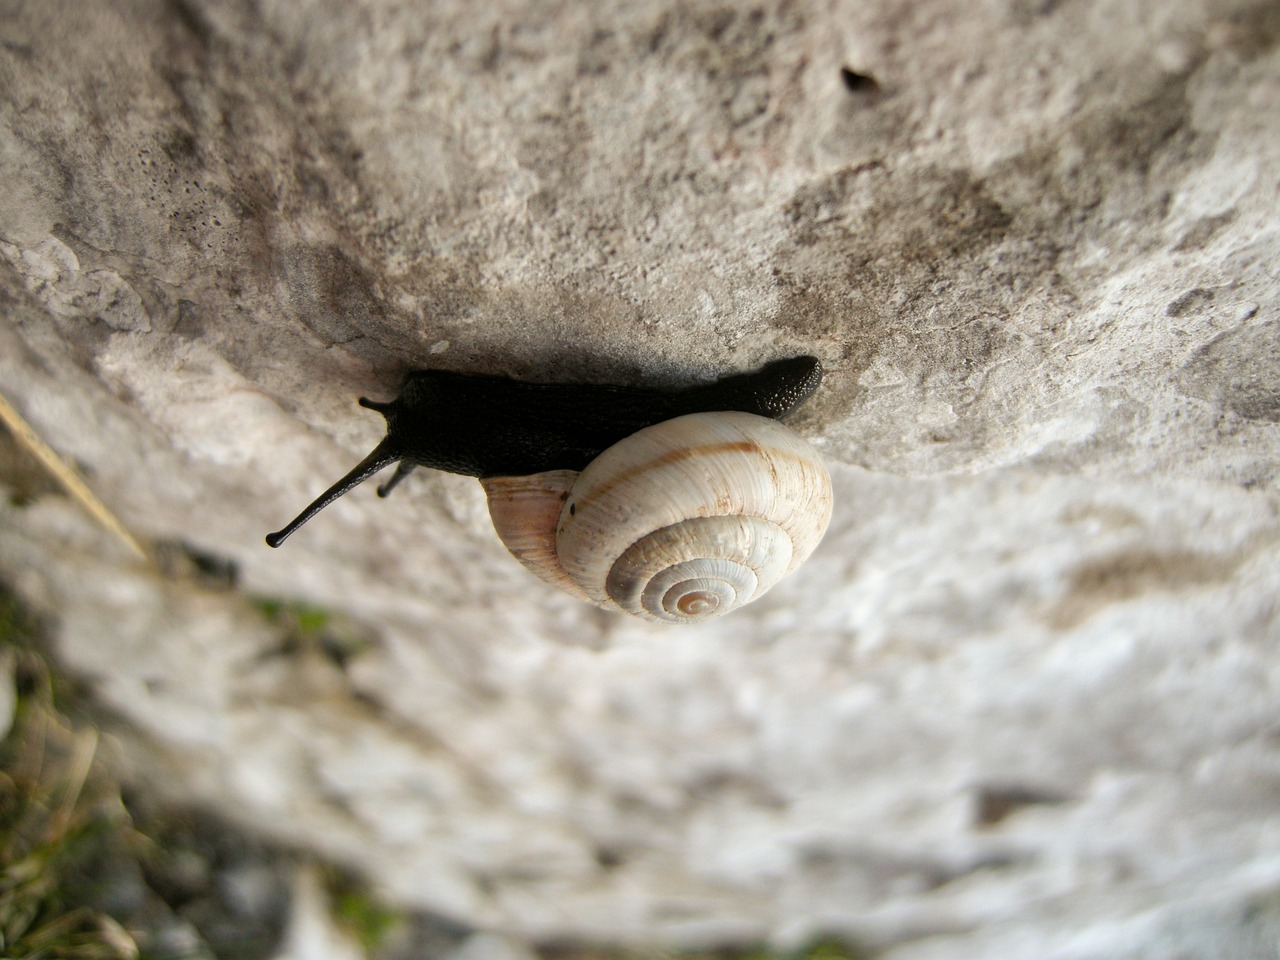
(675, 456)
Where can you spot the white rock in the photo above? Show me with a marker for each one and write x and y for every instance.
(310, 933)
(488, 946)
(1021, 702)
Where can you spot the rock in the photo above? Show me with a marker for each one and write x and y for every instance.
(487, 946)
(311, 933)
(1021, 702)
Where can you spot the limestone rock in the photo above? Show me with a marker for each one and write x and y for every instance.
(1021, 702)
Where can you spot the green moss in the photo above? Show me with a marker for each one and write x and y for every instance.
(307, 627)
(307, 618)
(16, 628)
(369, 921)
(829, 950)
(56, 818)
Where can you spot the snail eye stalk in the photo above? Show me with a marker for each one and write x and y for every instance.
(403, 469)
(383, 455)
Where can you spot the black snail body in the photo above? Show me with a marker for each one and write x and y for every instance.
(576, 466)
(482, 426)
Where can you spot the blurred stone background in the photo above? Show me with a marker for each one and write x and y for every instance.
(1023, 701)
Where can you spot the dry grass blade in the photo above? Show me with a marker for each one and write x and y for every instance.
(65, 475)
(53, 814)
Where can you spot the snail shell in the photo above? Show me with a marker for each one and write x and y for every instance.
(680, 522)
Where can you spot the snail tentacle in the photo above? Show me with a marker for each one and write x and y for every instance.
(383, 455)
(403, 469)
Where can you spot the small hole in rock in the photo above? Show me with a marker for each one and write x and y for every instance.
(993, 804)
(609, 858)
(856, 82)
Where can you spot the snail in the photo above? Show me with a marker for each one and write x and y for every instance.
(676, 506)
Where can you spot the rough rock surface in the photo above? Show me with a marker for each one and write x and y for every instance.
(1023, 700)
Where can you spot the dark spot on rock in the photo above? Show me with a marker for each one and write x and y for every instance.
(188, 323)
(23, 50)
(1121, 576)
(1133, 139)
(192, 20)
(1240, 369)
(1257, 29)
(993, 803)
(609, 858)
(1026, 12)
(856, 82)
(930, 216)
(179, 145)
(182, 560)
(1203, 231)
(1198, 298)
(333, 294)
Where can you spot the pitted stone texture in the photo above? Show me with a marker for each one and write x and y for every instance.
(1021, 702)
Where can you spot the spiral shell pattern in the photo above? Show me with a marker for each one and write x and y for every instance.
(688, 519)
